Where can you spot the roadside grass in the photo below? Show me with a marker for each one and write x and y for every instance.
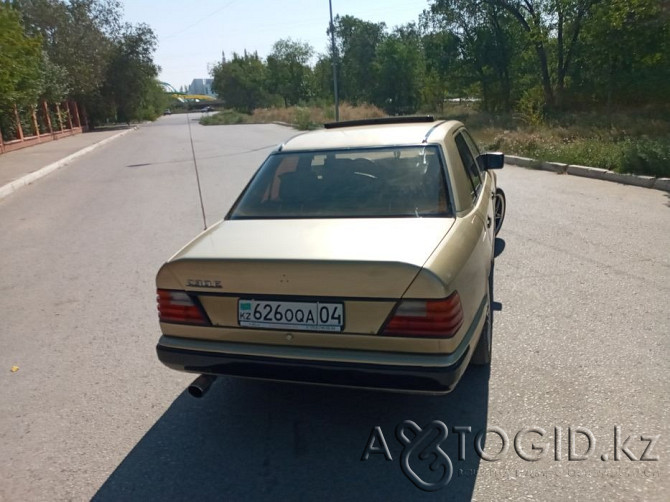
(313, 117)
(636, 155)
(627, 141)
(300, 117)
(225, 117)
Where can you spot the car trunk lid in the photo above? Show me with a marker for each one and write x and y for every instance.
(347, 258)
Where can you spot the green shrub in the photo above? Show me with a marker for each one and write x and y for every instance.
(531, 107)
(226, 117)
(628, 155)
(302, 119)
(646, 156)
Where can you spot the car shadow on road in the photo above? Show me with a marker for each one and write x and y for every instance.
(498, 247)
(251, 440)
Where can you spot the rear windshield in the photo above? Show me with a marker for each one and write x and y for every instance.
(388, 182)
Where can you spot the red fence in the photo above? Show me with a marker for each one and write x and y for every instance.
(44, 123)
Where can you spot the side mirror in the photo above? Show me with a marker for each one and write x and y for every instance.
(493, 160)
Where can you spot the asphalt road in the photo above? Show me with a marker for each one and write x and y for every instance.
(580, 347)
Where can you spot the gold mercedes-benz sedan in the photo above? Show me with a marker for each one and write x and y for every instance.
(358, 255)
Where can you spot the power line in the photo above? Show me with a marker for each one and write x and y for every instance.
(200, 20)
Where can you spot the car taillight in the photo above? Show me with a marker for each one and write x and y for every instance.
(178, 306)
(427, 318)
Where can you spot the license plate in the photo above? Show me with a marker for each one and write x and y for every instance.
(305, 316)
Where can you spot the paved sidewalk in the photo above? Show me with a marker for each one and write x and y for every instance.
(21, 167)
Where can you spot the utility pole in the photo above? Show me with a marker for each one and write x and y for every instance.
(334, 56)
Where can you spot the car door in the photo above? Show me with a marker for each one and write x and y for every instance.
(481, 183)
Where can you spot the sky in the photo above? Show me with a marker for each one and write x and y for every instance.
(193, 35)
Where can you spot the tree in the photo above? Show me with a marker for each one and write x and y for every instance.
(77, 36)
(541, 20)
(486, 44)
(357, 43)
(240, 82)
(399, 70)
(288, 71)
(441, 55)
(53, 80)
(90, 56)
(77, 49)
(322, 75)
(626, 54)
(130, 80)
(20, 62)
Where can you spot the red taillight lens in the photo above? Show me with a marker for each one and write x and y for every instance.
(178, 306)
(427, 318)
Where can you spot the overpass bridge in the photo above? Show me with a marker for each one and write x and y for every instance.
(185, 97)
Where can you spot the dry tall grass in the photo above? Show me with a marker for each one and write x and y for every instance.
(349, 112)
(311, 117)
(635, 141)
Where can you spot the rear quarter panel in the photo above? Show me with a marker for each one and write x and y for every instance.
(462, 260)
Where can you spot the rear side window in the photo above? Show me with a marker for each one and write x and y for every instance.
(470, 163)
(475, 150)
(383, 182)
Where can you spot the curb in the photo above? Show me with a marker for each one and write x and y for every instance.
(591, 172)
(12, 187)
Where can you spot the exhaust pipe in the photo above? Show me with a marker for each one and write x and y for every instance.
(201, 385)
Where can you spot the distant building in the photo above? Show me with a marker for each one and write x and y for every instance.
(201, 86)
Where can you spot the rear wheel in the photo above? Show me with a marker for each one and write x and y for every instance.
(499, 207)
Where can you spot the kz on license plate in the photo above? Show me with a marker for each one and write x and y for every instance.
(306, 316)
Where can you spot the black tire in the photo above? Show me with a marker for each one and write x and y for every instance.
(484, 349)
(499, 207)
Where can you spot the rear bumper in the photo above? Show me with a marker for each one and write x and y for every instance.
(406, 378)
(420, 373)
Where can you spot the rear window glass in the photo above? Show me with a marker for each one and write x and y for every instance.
(388, 182)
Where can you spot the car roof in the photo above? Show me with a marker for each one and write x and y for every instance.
(342, 135)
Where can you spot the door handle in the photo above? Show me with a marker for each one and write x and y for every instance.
(488, 222)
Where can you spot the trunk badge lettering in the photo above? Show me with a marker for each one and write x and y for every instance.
(203, 283)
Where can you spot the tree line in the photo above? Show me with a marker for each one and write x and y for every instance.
(81, 50)
(533, 56)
